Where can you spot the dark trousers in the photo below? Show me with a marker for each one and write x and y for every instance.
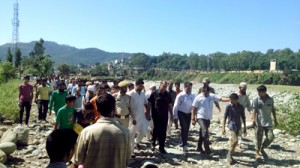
(185, 122)
(203, 135)
(43, 109)
(27, 106)
(160, 129)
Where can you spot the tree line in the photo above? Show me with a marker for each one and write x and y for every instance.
(286, 60)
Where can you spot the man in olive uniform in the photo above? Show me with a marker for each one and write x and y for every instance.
(122, 105)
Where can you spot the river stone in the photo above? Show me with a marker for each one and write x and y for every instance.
(3, 157)
(9, 136)
(23, 134)
(276, 131)
(2, 165)
(8, 147)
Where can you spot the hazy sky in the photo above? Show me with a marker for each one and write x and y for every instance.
(157, 26)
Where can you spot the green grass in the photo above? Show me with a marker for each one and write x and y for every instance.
(9, 108)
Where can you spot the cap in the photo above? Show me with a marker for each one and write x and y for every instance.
(139, 81)
(205, 80)
(123, 83)
(91, 88)
(152, 87)
(88, 83)
(243, 85)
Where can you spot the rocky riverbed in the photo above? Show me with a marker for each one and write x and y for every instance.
(283, 152)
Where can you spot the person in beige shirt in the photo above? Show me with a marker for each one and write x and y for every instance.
(105, 143)
(122, 105)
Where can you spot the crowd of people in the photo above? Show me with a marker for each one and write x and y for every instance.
(99, 124)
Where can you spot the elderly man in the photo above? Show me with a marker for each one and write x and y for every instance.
(161, 105)
(182, 109)
(139, 120)
(245, 102)
(122, 105)
(152, 88)
(105, 143)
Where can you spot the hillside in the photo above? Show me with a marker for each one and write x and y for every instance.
(67, 54)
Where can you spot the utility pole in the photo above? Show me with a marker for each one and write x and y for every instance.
(16, 24)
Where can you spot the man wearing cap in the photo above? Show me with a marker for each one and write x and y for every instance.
(152, 88)
(263, 109)
(173, 97)
(42, 98)
(245, 102)
(122, 105)
(139, 120)
(206, 82)
(182, 109)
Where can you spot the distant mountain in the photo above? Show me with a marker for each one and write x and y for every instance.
(66, 54)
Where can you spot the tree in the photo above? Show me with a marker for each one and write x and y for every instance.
(9, 56)
(38, 63)
(7, 71)
(64, 69)
(18, 57)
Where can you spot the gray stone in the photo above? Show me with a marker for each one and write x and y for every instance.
(23, 134)
(2, 165)
(9, 136)
(8, 122)
(3, 128)
(36, 152)
(276, 131)
(3, 157)
(8, 147)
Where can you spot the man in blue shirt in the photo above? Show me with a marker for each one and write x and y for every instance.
(234, 112)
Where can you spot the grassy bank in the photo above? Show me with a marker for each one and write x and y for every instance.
(9, 99)
(250, 78)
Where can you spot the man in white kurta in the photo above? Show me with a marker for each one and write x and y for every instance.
(139, 120)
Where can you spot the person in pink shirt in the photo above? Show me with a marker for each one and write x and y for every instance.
(25, 99)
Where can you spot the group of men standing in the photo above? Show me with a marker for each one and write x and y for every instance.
(125, 117)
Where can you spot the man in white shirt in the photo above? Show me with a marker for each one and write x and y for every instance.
(202, 113)
(182, 109)
(139, 120)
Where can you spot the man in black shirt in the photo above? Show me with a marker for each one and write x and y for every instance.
(161, 104)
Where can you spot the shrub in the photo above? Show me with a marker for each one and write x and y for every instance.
(9, 99)
(288, 119)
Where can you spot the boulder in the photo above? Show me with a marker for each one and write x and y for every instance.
(9, 136)
(3, 157)
(8, 147)
(22, 135)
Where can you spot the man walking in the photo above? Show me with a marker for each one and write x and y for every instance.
(161, 105)
(25, 99)
(235, 112)
(182, 109)
(173, 97)
(105, 143)
(245, 102)
(42, 98)
(139, 120)
(202, 113)
(263, 108)
(122, 105)
(58, 98)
